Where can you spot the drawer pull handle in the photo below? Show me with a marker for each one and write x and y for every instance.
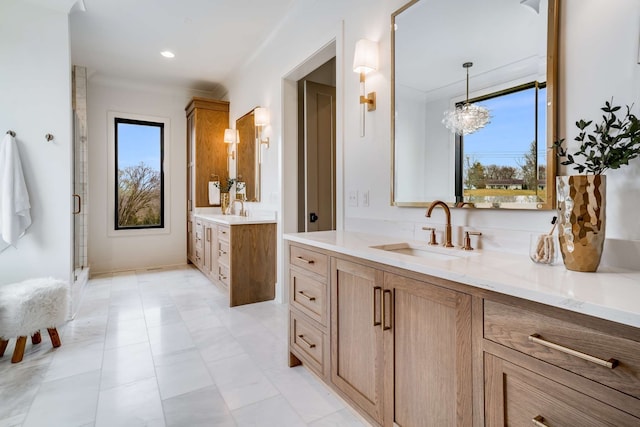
(307, 261)
(538, 421)
(308, 344)
(221, 277)
(307, 296)
(376, 290)
(221, 252)
(611, 363)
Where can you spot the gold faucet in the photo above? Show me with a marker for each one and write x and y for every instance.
(447, 229)
(241, 206)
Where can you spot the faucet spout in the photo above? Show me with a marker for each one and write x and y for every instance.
(447, 211)
(242, 212)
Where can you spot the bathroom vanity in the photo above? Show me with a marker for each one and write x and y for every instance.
(437, 336)
(237, 253)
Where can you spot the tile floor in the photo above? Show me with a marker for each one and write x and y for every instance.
(162, 348)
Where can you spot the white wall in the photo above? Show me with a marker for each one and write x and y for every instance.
(598, 60)
(35, 99)
(145, 248)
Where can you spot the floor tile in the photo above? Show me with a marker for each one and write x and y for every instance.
(181, 372)
(199, 408)
(135, 404)
(273, 412)
(126, 365)
(65, 402)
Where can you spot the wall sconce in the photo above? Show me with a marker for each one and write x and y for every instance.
(365, 60)
(231, 137)
(261, 120)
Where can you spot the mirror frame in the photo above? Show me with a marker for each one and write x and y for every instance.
(245, 144)
(553, 28)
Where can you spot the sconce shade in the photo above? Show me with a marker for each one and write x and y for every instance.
(533, 4)
(365, 59)
(231, 136)
(261, 116)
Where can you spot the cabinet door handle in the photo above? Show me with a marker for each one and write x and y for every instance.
(307, 261)
(77, 198)
(307, 296)
(538, 421)
(611, 363)
(310, 345)
(208, 234)
(384, 310)
(221, 252)
(376, 290)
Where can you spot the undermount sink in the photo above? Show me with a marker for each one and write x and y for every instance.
(423, 251)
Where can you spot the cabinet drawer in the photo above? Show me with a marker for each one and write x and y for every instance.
(518, 397)
(223, 233)
(223, 274)
(605, 358)
(309, 260)
(308, 342)
(223, 252)
(309, 296)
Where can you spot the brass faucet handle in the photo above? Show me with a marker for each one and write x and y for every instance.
(432, 238)
(467, 240)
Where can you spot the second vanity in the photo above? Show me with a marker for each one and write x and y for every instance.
(236, 252)
(413, 335)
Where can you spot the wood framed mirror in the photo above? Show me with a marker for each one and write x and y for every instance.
(248, 161)
(513, 46)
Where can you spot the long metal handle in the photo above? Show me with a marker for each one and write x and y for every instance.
(208, 234)
(538, 421)
(611, 363)
(308, 261)
(384, 310)
(306, 296)
(77, 211)
(378, 290)
(310, 345)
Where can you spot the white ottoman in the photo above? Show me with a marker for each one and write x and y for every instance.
(28, 306)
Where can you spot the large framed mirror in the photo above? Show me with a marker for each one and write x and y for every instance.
(513, 47)
(248, 162)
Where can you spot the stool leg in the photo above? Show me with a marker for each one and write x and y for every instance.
(3, 346)
(55, 338)
(36, 338)
(18, 352)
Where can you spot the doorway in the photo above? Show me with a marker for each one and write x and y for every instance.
(317, 149)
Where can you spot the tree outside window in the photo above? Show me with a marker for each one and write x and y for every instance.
(139, 175)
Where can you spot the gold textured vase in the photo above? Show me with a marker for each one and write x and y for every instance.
(224, 203)
(581, 226)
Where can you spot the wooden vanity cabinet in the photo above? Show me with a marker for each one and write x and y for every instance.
(206, 151)
(545, 367)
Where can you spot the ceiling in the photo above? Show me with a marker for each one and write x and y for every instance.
(122, 39)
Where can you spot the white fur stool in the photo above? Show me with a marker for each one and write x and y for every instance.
(28, 306)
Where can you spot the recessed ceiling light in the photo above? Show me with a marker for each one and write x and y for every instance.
(167, 54)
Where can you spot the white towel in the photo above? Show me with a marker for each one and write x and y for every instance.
(214, 192)
(15, 216)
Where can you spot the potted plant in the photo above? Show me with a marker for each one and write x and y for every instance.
(611, 144)
(224, 194)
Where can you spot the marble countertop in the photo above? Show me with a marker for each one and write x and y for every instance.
(611, 294)
(235, 219)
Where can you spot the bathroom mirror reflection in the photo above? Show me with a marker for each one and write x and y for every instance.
(248, 164)
(513, 48)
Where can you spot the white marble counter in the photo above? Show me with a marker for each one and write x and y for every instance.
(611, 294)
(235, 219)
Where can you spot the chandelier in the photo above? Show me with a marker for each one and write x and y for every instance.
(466, 118)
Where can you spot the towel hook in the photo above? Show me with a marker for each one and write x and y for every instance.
(12, 133)
(48, 137)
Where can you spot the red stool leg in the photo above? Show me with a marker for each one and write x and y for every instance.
(36, 338)
(55, 338)
(3, 346)
(18, 352)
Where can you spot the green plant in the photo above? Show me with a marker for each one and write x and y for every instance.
(612, 143)
(226, 187)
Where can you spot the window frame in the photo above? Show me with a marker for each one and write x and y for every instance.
(111, 183)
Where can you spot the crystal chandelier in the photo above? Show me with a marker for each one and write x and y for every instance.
(466, 118)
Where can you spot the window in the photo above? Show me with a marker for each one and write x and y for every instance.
(504, 162)
(139, 174)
